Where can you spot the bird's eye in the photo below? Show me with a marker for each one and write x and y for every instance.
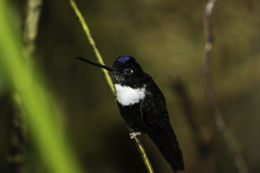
(128, 71)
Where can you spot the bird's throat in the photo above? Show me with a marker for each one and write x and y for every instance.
(127, 96)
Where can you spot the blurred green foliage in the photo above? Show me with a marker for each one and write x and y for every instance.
(166, 37)
(34, 101)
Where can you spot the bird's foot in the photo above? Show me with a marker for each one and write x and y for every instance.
(134, 134)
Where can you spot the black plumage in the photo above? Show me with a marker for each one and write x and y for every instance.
(146, 113)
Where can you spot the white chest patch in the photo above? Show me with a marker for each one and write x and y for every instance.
(128, 96)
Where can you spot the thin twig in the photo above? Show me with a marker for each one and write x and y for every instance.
(220, 122)
(31, 24)
(92, 43)
(145, 158)
(108, 78)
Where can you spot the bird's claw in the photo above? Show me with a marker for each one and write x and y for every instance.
(134, 134)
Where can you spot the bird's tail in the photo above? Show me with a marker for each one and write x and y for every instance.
(166, 141)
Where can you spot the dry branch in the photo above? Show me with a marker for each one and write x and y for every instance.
(220, 122)
(33, 13)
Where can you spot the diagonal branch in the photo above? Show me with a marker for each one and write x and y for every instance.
(108, 78)
(92, 43)
(220, 122)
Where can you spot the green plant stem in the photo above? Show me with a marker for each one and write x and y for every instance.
(92, 43)
(108, 78)
(18, 154)
(33, 98)
(145, 158)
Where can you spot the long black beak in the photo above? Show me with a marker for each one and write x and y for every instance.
(96, 64)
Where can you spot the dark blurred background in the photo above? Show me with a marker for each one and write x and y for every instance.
(167, 38)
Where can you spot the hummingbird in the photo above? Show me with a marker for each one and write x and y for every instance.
(143, 107)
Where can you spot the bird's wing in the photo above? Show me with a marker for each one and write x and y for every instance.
(153, 107)
(154, 110)
(157, 126)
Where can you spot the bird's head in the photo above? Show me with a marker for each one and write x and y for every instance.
(125, 71)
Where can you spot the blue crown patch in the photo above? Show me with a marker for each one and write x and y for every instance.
(123, 58)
